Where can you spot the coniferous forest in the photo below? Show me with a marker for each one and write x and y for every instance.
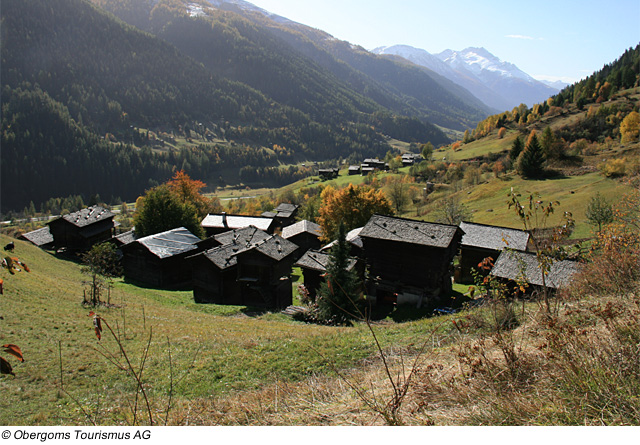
(76, 111)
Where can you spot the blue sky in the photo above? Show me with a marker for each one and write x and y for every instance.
(554, 40)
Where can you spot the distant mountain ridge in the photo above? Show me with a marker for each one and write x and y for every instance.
(499, 84)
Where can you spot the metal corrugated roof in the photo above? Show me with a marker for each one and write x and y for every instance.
(236, 221)
(170, 243)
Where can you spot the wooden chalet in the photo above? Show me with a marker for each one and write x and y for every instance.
(328, 173)
(213, 224)
(314, 265)
(159, 260)
(284, 215)
(79, 231)
(482, 241)
(409, 261)
(409, 159)
(249, 271)
(41, 237)
(305, 234)
(354, 170)
(514, 266)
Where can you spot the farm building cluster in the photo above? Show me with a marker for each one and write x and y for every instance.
(248, 260)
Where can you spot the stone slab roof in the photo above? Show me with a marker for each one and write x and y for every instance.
(301, 227)
(315, 260)
(276, 247)
(246, 236)
(409, 231)
(493, 237)
(515, 265)
(40, 237)
(224, 257)
(127, 237)
(88, 216)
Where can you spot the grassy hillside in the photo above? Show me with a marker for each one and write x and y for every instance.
(213, 365)
(212, 353)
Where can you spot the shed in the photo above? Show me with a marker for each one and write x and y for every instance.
(410, 257)
(159, 260)
(314, 265)
(354, 170)
(481, 241)
(305, 234)
(78, 231)
(41, 237)
(513, 266)
(214, 224)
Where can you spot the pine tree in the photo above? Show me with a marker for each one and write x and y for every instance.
(531, 161)
(339, 299)
(516, 148)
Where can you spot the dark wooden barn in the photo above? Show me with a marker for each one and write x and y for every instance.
(305, 234)
(328, 173)
(482, 241)
(159, 260)
(283, 215)
(79, 231)
(214, 224)
(215, 275)
(514, 266)
(248, 271)
(409, 261)
(314, 265)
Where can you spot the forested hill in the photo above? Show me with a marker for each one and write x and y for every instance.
(78, 85)
(300, 66)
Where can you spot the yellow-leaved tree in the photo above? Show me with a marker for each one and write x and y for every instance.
(630, 127)
(352, 206)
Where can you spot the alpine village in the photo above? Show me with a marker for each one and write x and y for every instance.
(213, 215)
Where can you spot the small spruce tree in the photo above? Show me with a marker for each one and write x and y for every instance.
(339, 298)
(516, 149)
(531, 161)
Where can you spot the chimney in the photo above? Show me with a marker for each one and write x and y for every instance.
(224, 220)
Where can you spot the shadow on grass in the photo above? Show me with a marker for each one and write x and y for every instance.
(407, 312)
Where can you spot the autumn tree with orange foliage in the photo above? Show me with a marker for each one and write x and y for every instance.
(176, 203)
(353, 206)
(188, 191)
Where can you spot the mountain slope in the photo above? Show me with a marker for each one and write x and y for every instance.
(499, 84)
(298, 65)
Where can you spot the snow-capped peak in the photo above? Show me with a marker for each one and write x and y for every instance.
(479, 61)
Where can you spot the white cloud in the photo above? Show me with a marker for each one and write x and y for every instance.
(521, 37)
